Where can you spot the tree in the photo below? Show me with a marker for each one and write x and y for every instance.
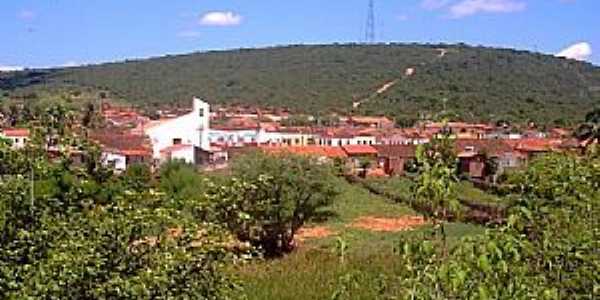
(270, 197)
(435, 186)
(589, 131)
(60, 238)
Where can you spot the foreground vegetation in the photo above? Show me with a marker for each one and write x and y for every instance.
(321, 265)
(476, 83)
(76, 230)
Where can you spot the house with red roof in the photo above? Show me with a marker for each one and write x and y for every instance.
(476, 157)
(122, 150)
(393, 158)
(18, 137)
(370, 122)
(529, 148)
(362, 158)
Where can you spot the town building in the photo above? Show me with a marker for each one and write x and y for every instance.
(122, 150)
(394, 158)
(344, 137)
(189, 134)
(18, 137)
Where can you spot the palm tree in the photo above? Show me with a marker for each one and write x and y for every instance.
(589, 132)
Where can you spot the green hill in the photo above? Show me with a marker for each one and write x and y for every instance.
(476, 83)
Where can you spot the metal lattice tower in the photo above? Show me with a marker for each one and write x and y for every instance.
(370, 29)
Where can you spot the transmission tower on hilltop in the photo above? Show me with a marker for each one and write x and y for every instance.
(370, 29)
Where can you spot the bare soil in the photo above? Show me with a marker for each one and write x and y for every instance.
(388, 224)
(313, 233)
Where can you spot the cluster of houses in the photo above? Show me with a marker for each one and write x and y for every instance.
(372, 146)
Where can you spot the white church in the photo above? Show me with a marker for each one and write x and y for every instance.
(185, 138)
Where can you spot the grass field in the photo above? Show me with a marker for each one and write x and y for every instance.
(315, 269)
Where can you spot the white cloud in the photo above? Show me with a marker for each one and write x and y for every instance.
(26, 15)
(434, 4)
(221, 18)
(579, 51)
(188, 34)
(10, 68)
(467, 8)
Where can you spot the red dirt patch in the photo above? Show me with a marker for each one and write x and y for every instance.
(388, 224)
(313, 233)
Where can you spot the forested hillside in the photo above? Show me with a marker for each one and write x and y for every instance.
(476, 83)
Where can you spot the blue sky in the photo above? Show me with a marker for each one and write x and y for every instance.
(42, 33)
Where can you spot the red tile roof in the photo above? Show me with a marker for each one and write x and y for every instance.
(537, 145)
(330, 152)
(16, 132)
(407, 151)
(360, 150)
(125, 144)
(174, 148)
(478, 146)
(136, 152)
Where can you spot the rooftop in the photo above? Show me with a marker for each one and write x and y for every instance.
(360, 150)
(15, 132)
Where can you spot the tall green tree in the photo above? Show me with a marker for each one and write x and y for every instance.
(436, 184)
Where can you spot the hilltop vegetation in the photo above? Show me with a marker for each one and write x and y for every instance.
(474, 83)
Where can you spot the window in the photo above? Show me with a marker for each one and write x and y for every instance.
(201, 113)
(177, 141)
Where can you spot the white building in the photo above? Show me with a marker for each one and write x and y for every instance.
(233, 137)
(344, 139)
(287, 136)
(188, 133)
(18, 137)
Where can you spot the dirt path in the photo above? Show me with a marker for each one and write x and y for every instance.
(313, 233)
(388, 224)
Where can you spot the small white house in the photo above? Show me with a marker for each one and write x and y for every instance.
(191, 129)
(17, 136)
(346, 139)
(114, 159)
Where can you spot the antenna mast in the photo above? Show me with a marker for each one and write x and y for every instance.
(370, 29)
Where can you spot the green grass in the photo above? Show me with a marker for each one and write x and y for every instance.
(314, 270)
(468, 192)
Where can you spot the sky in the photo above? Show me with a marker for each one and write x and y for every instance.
(49, 33)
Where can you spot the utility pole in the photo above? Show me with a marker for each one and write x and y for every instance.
(370, 29)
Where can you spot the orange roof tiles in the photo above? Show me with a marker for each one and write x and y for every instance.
(174, 148)
(125, 144)
(360, 150)
(406, 151)
(136, 152)
(16, 132)
(491, 147)
(538, 145)
(330, 152)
